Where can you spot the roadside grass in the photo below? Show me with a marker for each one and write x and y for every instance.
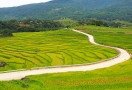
(118, 77)
(51, 48)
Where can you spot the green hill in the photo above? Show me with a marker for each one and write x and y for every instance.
(118, 11)
(76, 9)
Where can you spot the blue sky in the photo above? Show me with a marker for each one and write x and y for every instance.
(12, 3)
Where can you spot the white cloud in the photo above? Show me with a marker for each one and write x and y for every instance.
(11, 3)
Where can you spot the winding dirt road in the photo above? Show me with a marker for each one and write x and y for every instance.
(123, 56)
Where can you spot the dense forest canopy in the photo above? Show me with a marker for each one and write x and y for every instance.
(35, 25)
(75, 9)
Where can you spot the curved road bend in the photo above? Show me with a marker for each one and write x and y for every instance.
(123, 56)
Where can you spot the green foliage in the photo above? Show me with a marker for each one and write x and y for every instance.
(120, 11)
(5, 33)
(45, 24)
(30, 25)
(68, 23)
(11, 25)
(93, 22)
(116, 23)
(26, 29)
(125, 24)
(75, 9)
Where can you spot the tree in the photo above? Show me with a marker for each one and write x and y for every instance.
(26, 29)
(6, 33)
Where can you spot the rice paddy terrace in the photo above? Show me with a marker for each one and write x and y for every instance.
(52, 48)
(118, 37)
(118, 77)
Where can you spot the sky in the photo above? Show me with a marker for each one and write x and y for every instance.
(12, 3)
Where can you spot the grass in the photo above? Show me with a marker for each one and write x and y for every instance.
(118, 77)
(101, 28)
(119, 37)
(68, 22)
(52, 48)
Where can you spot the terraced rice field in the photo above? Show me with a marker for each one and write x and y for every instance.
(52, 48)
(118, 77)
(119, 37)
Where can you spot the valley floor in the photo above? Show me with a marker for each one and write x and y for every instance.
(117, 77)
(123, 56)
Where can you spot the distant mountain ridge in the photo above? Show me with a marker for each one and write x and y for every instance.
(77, 9)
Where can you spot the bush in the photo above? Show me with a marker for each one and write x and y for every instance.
(26, 29)
(5, 33)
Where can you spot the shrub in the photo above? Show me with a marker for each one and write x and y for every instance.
(5, 33)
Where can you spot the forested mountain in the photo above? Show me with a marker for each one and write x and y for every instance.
(121, 10)
(77, 9)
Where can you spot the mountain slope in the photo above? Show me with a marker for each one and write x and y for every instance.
(121, 10)
(57, 9)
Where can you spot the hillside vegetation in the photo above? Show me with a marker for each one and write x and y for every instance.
(57, 9)
(30, 25)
